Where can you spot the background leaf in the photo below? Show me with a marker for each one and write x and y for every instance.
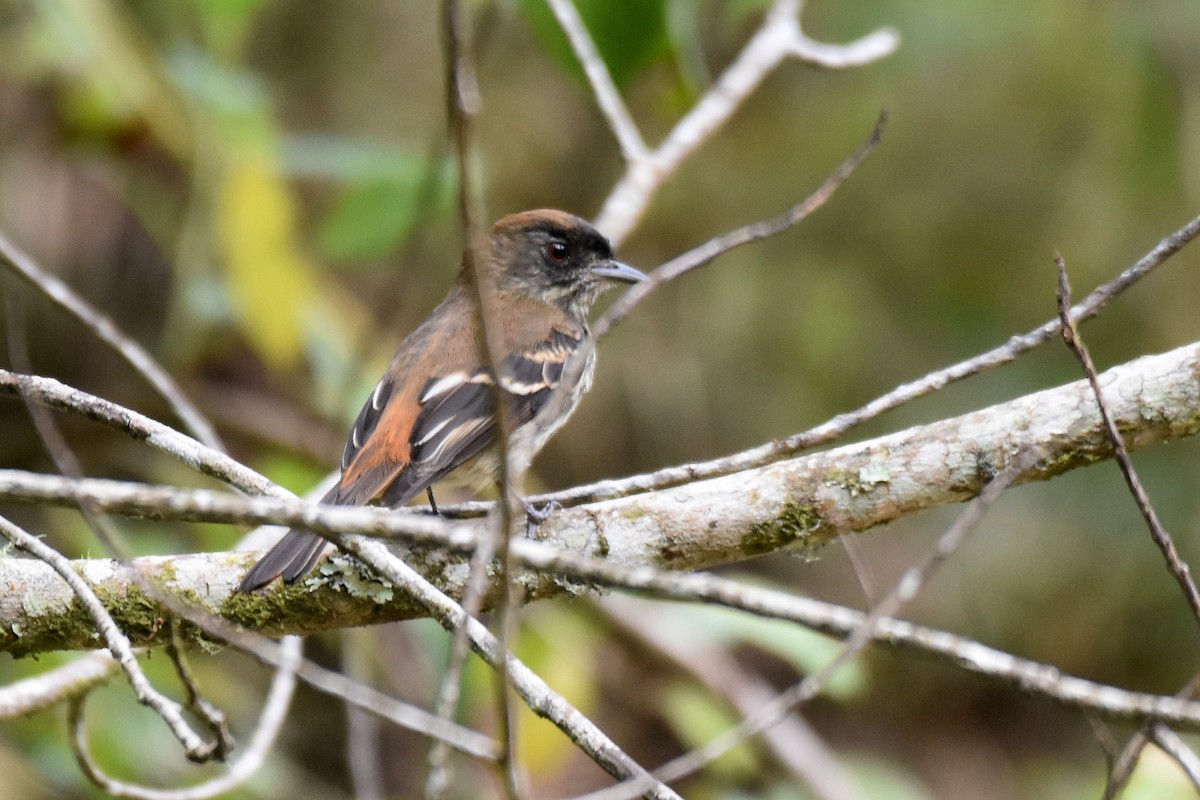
(270, 281)
(630, 34)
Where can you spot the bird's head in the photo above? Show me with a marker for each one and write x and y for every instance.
(555, 257)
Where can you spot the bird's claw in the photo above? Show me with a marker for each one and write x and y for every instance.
(536, 515)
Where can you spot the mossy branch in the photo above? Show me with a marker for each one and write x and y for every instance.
(800, 503)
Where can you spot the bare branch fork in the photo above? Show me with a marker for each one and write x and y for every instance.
(779, 38)
(237, 773)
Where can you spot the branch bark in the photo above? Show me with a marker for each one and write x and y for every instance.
(801, 503)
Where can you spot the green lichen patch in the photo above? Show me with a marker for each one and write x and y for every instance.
(873, 474)
(602, 546)
(344, 574)
(794, 524)
(139, 616)
(281, 608)
(861, 481)
(255, 610)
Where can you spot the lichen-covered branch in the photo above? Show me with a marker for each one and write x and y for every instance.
(800, 503)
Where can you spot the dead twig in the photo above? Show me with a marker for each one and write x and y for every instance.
(1070, 333)
(270, 722)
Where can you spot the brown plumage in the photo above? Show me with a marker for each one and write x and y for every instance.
(432, 412)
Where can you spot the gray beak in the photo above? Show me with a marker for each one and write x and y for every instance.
(617, 271)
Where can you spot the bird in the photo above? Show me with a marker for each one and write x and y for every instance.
(433, 411)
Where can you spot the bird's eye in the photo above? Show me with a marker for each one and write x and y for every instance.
(557, 252)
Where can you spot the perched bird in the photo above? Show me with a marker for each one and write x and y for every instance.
(432, 413)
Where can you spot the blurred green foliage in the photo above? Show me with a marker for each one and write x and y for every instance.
(261, 193)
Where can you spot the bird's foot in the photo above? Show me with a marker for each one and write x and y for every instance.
(536, 515)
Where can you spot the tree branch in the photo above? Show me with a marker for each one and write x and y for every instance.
(801, 503)
(111, 636)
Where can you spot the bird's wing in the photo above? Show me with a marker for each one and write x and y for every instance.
(378, 447)
(452, 421)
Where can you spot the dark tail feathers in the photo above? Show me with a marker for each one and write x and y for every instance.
(291, 558)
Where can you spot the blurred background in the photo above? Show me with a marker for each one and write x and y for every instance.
(260, 193)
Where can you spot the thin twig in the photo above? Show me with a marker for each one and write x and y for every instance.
(438, 781)
(196, 702)
(779, 38)
(463, 104)
(1175, 564)
(28, 696)
(385, 707)
(608, 98)
(1104, 738)
(1028, 676)
(754, 232)
(363, 756)
(1170, 743)
(107, 332)
(56, 395)
(270, 723)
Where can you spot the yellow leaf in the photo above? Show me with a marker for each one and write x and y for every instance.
(271, 284)
(561, 648)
